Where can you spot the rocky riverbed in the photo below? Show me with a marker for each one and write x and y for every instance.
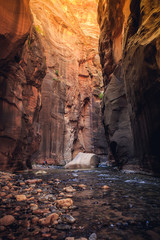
(98, 204)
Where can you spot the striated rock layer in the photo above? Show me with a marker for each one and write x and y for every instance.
(22, 68)
(70, 118)
(130, 58)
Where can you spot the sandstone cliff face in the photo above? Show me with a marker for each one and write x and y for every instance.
(129, 51)
(111, 19)
(70, 118)
(141, 63)
(22, 68)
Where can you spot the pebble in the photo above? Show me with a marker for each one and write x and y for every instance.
(69, 189)
(50, 197)
(64, 203)
(20, 198)
(93, 236)
(105, 187)
(9, 196)
(6, 188)
(2, 194)
(32, 181)
(68, 195)
(70, 238)
(68, 218)
(39, 190)
(33, 206)
(50, 220)
(7, 220)
(35, 220)
(63, 227)
(18, 208)
(46, 235)
(83, 186)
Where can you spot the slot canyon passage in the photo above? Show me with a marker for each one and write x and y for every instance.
(79, 119)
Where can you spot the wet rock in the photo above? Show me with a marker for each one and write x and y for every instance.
(64, 203)
(9, 196)
(2, 194)
(41, 211)
(68, 218)
(63, 227)
(83, 186)
(32, 181)
(50, 220)
(33, 206)
(46, 235)
(69, 189)
(68, 195)
(50, 197)
(105, 187)
(36, 231)
(41, 172)
(39, 190)
(93, 236)
(61, 194)
(35, 220)
(7, 220)
(20, 198)
(17, 209)
(21, 183)
(30, 199)
(6, 188)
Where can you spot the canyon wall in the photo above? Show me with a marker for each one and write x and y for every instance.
(50, 80)
(22, 68)
(130, 59)
(70, 119)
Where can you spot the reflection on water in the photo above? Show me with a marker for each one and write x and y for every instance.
(129, 209)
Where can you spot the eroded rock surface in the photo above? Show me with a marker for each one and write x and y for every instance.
(112, 19)
(22, 68)
(129, 41)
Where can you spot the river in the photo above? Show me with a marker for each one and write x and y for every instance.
(128, 209)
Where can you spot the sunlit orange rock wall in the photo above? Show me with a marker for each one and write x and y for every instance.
(22, 68)
(129, 51)
(70, 118)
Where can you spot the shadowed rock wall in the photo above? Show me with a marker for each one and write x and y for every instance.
(129, 51)
(111, 19)
(22, 68)
(141, 61)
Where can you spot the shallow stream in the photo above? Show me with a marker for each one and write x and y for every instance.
(128, 209)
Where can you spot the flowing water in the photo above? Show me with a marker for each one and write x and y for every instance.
(128, 209)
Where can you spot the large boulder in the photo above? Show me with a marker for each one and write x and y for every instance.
(83, 160)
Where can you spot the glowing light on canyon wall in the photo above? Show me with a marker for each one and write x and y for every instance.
(85, 11)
